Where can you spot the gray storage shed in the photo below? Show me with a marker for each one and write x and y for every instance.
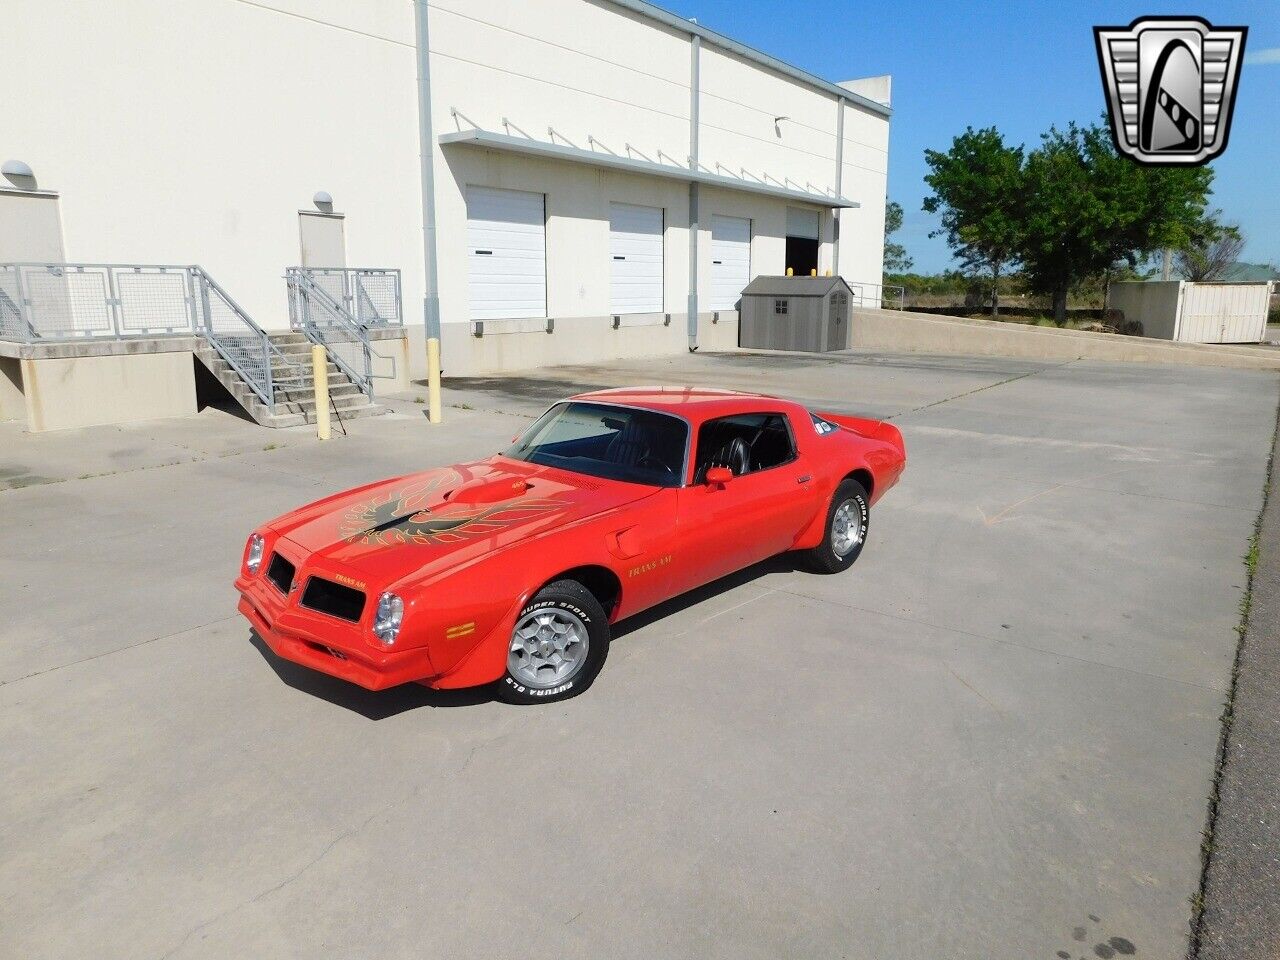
(795, 313)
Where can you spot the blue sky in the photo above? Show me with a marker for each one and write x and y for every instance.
(1019, 66)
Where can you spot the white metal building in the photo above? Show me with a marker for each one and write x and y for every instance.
(556, 180)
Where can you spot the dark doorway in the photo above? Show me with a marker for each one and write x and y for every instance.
(802, 255)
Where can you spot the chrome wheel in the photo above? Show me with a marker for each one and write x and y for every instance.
(548, 647)
(847, 527)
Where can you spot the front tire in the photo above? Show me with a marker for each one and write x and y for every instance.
(848, 519)
(557, 647)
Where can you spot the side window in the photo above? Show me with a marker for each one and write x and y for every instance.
(744, 443)
(780, 307)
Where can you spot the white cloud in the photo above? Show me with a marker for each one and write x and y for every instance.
(1257, 57)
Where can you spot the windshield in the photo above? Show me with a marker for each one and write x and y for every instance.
(618, 443)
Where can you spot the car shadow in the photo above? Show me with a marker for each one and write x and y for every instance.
(371, 704)
(381, 704)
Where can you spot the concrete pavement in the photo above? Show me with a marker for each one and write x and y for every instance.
(993, 737)
(1242, 881)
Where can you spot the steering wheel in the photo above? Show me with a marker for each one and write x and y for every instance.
(650, 462)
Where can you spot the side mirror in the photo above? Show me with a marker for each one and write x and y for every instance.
(718, 476)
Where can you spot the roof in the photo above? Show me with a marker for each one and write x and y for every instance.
(793, 286)
(652, 11)
(599, 158)
(690, 402)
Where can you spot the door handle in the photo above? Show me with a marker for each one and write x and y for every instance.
(805, 479)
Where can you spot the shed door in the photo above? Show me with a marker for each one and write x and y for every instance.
(730, 260)
(507, 253)
(1223, 313)
(635, 244)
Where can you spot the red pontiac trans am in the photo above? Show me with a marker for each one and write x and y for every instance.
(510, 570)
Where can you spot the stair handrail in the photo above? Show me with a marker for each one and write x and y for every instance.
(304, 288)
(263, 387)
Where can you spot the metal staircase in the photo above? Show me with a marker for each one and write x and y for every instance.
(294, 395)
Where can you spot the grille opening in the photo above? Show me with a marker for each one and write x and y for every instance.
(280, 572)
(325, 596)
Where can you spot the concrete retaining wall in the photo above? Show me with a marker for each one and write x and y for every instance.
(65, 392)
(525, 345)
(903, 331)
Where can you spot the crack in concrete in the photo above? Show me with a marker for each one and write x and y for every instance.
(108, 653)
(989, 386)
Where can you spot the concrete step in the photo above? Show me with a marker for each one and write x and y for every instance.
(280, 339)
(308, 403)
(302, 391)
(301, 369)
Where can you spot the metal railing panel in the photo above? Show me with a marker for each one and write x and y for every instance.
(13, 324)
(152, 300)
(376, 297)
(68, 302)
(322, 319)
(369, 295)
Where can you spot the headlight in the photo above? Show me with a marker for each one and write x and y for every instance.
(253, 553)
(386, 622)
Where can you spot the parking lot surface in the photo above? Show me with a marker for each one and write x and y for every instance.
(994, 737)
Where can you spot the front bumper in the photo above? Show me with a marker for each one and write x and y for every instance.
(324, 643)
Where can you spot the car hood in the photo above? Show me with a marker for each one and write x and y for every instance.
(426, 522)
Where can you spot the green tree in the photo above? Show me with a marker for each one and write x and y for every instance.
(895, 254)
(977, 191)
(1087, 209)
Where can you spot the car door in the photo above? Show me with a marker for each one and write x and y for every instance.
(727, 526)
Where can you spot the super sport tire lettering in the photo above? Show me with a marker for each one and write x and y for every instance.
(573, 597)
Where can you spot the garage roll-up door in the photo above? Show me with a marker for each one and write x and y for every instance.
(635, 246)
(507, 253)
(730, 260)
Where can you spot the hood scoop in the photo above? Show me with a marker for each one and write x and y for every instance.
(489, 491)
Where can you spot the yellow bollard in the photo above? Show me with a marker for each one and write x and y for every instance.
(320, 378)
(828, 273)
(791, 271)
(813, 271)
(433, 380)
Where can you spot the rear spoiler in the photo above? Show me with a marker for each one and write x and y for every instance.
(871, 429)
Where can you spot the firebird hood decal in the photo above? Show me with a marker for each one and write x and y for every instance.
(401, 517)
(429, 522)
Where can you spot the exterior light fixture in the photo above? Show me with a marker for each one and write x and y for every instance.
(323, 201)
(18, 171)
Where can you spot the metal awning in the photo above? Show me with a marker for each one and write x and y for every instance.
(597, 158)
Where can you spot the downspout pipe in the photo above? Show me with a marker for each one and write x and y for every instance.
(695, 51)
(426, 161)
(838, 213)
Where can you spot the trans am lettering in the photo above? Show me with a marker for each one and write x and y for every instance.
(649, 567)
(403, 517)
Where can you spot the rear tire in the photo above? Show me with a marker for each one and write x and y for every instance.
(848, 519)
(557, 647)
